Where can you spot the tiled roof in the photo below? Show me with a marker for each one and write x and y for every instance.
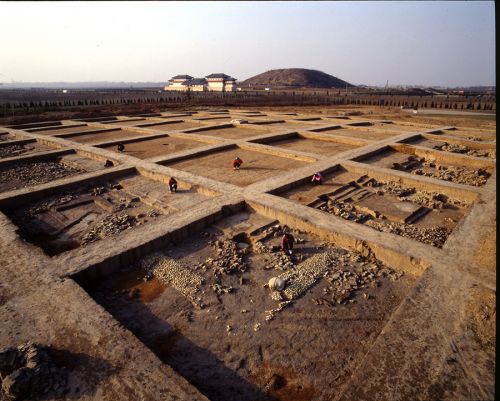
(218, 75)
(182, 77)
(196, 81)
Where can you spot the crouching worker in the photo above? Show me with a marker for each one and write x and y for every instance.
(287, 243)
(121, 147)
(108, 163)
(237, 163)
(172, 185)
(317, 178)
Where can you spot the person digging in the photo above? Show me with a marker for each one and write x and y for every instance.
(287, 242)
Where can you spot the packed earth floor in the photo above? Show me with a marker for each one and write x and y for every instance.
(114, 286)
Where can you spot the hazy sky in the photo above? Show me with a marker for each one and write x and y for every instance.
(430, 43)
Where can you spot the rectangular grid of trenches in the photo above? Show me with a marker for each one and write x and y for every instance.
(91, 211)
(213, 284)
(205, 279)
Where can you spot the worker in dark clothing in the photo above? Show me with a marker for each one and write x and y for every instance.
(237, 163)
(287, 242)
(317, 178)
(172, 185)
(108, 163)
(121, 147)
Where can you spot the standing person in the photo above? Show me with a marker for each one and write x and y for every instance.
(172, 185)
(121, 147)
(287, 242)
(317, 178)
(237, 163)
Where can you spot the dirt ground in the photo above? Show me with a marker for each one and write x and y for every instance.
(313, 146)
(256, 166)
(68, 130)
(114, 134)
(171, 126)
(234, 132)
(156, 147)
(290, 358)
(361, 132)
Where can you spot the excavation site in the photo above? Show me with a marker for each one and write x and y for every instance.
(253, 254)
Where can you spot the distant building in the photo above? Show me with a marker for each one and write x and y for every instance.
(213, 82)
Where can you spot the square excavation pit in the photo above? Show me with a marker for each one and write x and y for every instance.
(235, 132)
(471, 135)
(23, 174)
(147, 148)
(457, 173)
(79, 217)
(469, 149)
(104, 136)
(386, 206)
(171, 126)
(218, 166)
(202, 306)
(24, 149)
(310, 145)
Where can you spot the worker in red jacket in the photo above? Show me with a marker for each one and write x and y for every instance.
(287, 243)
(317, 178)
(237, 163)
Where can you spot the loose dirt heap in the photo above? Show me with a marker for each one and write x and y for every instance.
(12, 150)
(457, 174)
(37, 173)
(345, 210)
(455, 148)
(28, 372)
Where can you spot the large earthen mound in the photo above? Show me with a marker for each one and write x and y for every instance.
(296, 78)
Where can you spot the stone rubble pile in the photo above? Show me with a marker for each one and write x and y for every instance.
(37, 173)
(345, 210)
(435, 236)
(112, 224)
(429, 199)
(456, 148)
(176, 274)
(28, 372)
(228, 257)
(456, 174)
(12, 150)
(346, 272)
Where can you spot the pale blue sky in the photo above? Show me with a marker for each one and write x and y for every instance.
(430, 43)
